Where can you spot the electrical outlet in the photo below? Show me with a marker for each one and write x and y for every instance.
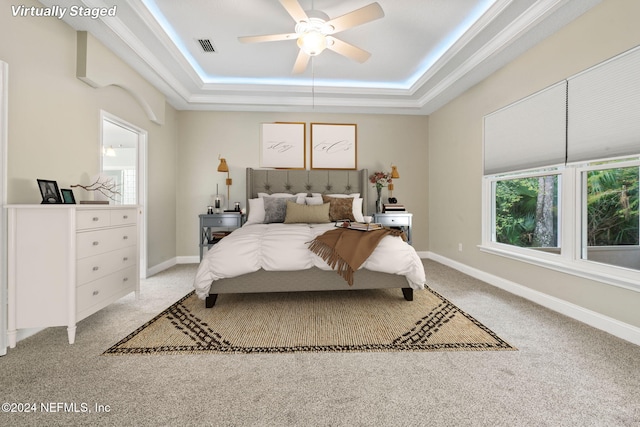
(460, 247)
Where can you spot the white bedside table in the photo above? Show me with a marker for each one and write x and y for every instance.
(395, 219)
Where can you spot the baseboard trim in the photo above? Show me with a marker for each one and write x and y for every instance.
(597, 320)
(423, 254)
(161, 267)
(188, 259)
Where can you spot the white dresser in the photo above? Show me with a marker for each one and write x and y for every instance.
(65, 262)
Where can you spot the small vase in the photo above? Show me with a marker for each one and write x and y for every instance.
(379, 200)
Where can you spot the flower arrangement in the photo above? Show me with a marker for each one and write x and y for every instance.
(380, 179)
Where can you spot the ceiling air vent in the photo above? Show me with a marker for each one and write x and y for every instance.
(206, 45)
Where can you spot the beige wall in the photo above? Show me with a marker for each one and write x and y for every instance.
(54, 123)
(455, 153)
(382, 139)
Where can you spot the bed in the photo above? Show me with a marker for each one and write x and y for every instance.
(266, 256)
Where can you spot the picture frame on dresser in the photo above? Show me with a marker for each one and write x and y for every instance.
(49, 192)
(67, 196)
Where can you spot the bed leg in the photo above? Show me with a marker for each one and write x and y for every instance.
(210, 300)
(408, 293)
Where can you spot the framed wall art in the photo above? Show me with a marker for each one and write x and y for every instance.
(333, 146)
(49, 191)
(283, 145)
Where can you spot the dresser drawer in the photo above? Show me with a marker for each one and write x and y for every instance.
(98, 266)
(123, 216)
(222, 221)
(97, 292)
(394, 220)
(97, 242)
(92, 219)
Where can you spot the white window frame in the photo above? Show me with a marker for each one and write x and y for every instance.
(571, 195)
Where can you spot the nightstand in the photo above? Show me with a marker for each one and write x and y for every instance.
(223, 222)
(395, 219)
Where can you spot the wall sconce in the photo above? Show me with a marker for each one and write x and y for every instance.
(394, 175)
(223, 167)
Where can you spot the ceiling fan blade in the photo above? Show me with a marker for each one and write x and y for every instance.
(301, 62)
(346, 49)
(268, 38)
(357, 17)
(294, 9)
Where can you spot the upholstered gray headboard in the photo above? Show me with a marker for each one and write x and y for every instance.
(307, 181)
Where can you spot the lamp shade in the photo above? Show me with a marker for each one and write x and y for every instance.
(394, 172)
(223, 167)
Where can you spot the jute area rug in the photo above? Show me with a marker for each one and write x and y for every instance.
(342, 321)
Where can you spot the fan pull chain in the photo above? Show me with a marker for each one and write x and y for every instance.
(313, 84)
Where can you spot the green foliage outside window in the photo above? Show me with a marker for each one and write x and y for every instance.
(612, 207)
(526, 211)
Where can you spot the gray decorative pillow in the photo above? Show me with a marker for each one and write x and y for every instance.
(275, 208)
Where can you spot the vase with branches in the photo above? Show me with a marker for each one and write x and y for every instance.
(104, 186)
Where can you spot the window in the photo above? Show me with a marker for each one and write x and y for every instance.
(611, 225)
(526, 211)
(582, 219)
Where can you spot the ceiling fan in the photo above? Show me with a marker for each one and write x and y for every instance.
(314, 29)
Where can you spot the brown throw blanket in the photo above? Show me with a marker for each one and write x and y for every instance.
(345, 250)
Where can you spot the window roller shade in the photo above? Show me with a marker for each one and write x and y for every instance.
(604, 110)
(527, 134)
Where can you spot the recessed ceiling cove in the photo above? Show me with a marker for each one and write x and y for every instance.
(387, 56)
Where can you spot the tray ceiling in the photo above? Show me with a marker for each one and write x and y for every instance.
(423, 52)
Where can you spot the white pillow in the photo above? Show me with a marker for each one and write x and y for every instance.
(299, 196)
(357, 210)
(315, 200)
(256, 211)
(354, 195)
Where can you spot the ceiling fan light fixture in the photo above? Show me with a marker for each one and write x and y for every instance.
(314, 32)
(312, 42)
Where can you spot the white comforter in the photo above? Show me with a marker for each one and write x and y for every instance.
(285, 247)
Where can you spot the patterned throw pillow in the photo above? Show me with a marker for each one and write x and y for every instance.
(340, 208)
(275, 208)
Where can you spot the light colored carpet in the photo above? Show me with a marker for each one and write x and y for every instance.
(564, 373)
(363, 320)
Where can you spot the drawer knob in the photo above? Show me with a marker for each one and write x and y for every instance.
(125, 259)
(95, 218)
(125, 216)
(95, 293)
(125, 237)
(126, 279)
(96, 268)
(96, 243)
